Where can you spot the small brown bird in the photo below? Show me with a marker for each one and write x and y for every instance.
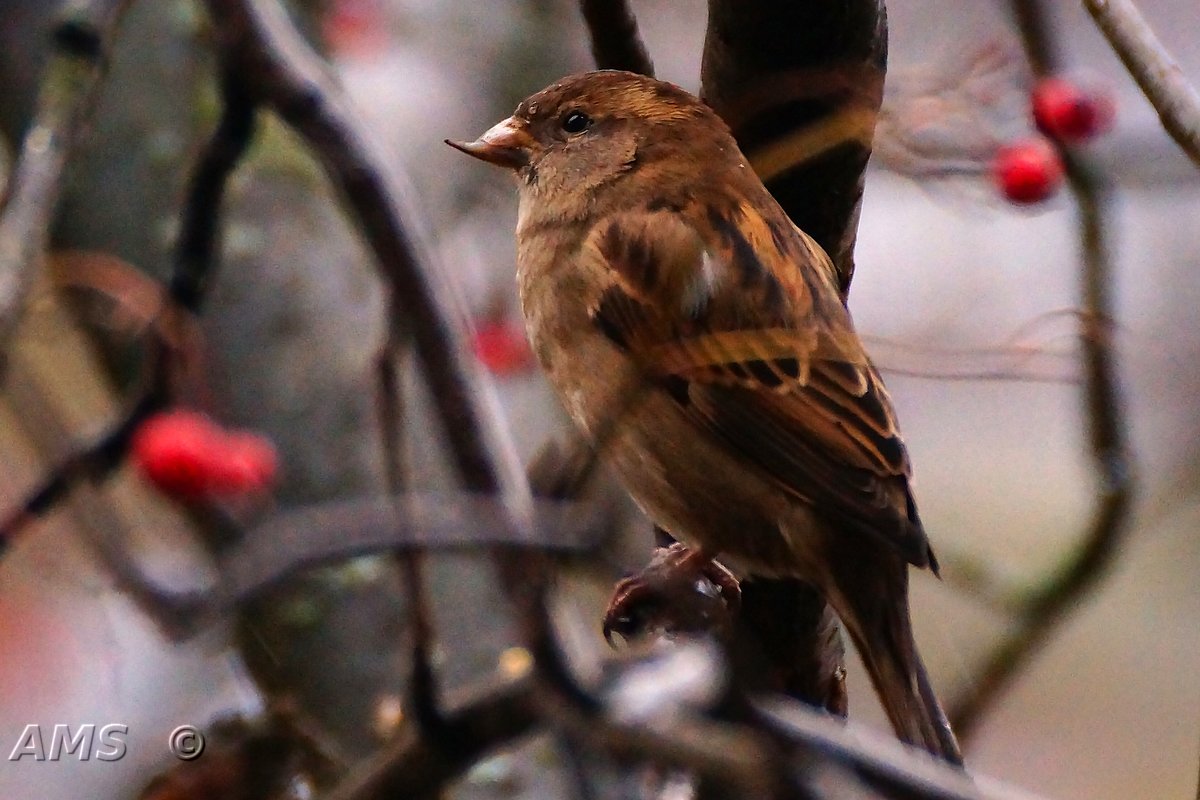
(698, 337)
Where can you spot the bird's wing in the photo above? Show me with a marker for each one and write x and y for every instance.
(740, 322)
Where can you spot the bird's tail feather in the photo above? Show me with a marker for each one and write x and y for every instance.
(882, 632)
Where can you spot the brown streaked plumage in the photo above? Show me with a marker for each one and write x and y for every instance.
(699, 337)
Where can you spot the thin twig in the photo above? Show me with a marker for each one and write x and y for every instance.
(1046, 606)
(1154, 70)
(83, 36)
(616, 43)
(422, 687)
(189, 283)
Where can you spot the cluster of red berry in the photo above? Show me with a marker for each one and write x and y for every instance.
(1030, 170)
(190, 457)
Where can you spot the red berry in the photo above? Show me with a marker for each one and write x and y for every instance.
(1027, 171)
(1063, 110)
(175, 451)
(502, 348)
(355, 26)
(191, 458)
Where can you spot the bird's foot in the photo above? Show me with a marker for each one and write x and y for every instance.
(681, 590)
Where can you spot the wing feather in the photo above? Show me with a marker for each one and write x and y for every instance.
(743, 327)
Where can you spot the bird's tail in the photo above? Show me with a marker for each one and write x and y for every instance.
(878, 622)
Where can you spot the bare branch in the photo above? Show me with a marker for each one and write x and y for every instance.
(83, 36)
(307, 537)
(1049, 603)
(498, 714)
(419, 767)
(892, 768)
(1154, 69)
(276, 67)
(616, 43)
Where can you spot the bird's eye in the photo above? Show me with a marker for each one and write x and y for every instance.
(576, 122)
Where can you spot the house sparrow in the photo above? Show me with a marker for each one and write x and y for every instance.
(698, 338)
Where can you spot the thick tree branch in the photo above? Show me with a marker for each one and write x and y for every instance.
(616, 43)
(1154, 70)
(800, 85)
(82, 38)
(1050, 603)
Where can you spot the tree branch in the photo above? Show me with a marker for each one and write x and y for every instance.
(1049, 604)
(1154, 70)
(82, 38)
(277, 68)
(800, 85)
(496, 715)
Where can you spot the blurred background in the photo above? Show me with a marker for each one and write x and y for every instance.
(948, 271)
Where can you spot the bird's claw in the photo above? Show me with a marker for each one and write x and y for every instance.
(680, 590)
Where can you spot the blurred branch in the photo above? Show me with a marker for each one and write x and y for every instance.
(415, 766)
(82, 38)
(1047, 605)
(1154, 70)
(616, 43)
(304, 538)
(258, 43)
(277, 68)
(258, 559)
(192, 268)
(500, 713)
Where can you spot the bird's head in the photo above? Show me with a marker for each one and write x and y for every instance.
(596, 129)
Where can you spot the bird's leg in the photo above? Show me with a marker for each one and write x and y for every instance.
(681, 590)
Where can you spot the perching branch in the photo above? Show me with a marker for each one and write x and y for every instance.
(82, 38)
(800, 85)
(1050, 603)
(1154, 70)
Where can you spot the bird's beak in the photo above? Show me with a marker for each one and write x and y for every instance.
(506, 144)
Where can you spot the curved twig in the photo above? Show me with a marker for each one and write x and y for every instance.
(1042, 610)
